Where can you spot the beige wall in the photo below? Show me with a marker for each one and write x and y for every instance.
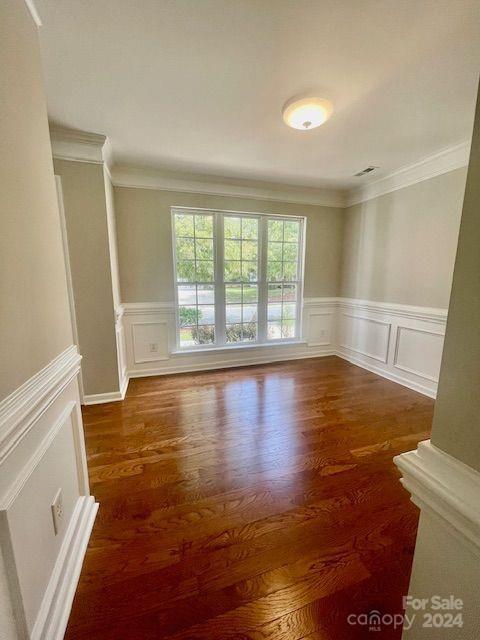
(145, 240)
(35, 322)
(35, 317)
(400, 247)
(84, 197)
(112, 237)
(446, 561)
(443, 564)
(456, 424)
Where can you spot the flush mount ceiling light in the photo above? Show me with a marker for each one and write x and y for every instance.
(306, 113)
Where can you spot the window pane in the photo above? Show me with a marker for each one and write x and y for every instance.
(249, 332)
(204, 249)
(274, 271)
(206, 294)
(204, 334)
(233, 271)
(234, 332)
(233, 293)
(249, 271)
(231, 227)
(249, 313)
(232, 250)
(249, 250)
(274, 330)
(274, 292)
(289, 311)
(206, 314)
(186, 337)
(288, 329)
(275, 311)
(204, 271)
(250, 293)
(291, 231)
(275, 230)
(249, 228)
(289, 292)
(290, 270)
(204, 226)
(185, 249)
(187, 316)
(183, 225)
(275, 251)
(233, 313)
(289, 251)
(186, 271)
(187, 294)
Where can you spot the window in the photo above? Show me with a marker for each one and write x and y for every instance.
(237, 277)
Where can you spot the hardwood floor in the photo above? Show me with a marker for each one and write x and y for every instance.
(258, 503)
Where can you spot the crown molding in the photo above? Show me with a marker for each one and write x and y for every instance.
(436, 164)
(79, 146)
(33, 12)
(138, 178)
(83, 146)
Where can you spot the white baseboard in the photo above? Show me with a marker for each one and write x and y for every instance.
(101, 398)
(363, 362)
(56, 606)
(234, 362)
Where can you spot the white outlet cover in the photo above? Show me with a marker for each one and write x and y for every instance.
(57, 511)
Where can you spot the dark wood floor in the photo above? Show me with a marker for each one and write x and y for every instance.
(255, 503)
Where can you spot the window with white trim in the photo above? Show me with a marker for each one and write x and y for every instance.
(238, 277)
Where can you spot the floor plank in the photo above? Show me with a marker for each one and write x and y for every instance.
(253, 503)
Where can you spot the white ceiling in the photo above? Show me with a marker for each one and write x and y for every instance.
(198, 85)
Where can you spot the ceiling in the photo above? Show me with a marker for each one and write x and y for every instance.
(198, 85)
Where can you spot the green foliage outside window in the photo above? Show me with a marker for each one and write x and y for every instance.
(189, 316)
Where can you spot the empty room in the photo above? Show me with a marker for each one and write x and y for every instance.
(239, 311)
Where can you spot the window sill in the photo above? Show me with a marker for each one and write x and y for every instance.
(239, 347)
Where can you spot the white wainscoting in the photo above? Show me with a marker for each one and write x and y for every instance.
(41, 451)
(151, 342)
(121, 351)
(447, 549)
(445, 486)
(400, 342)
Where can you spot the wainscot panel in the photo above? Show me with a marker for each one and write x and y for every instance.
(400, 342)
(43, 453)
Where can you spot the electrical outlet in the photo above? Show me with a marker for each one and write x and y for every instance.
(57, 511)
(153, 347)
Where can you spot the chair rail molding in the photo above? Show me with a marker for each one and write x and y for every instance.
(445, 486)
(20, 410)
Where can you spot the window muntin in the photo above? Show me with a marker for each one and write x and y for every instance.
(238, 278)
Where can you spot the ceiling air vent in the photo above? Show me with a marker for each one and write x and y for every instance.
(365, 171)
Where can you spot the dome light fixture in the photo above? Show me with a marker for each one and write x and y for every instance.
(307, 113)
